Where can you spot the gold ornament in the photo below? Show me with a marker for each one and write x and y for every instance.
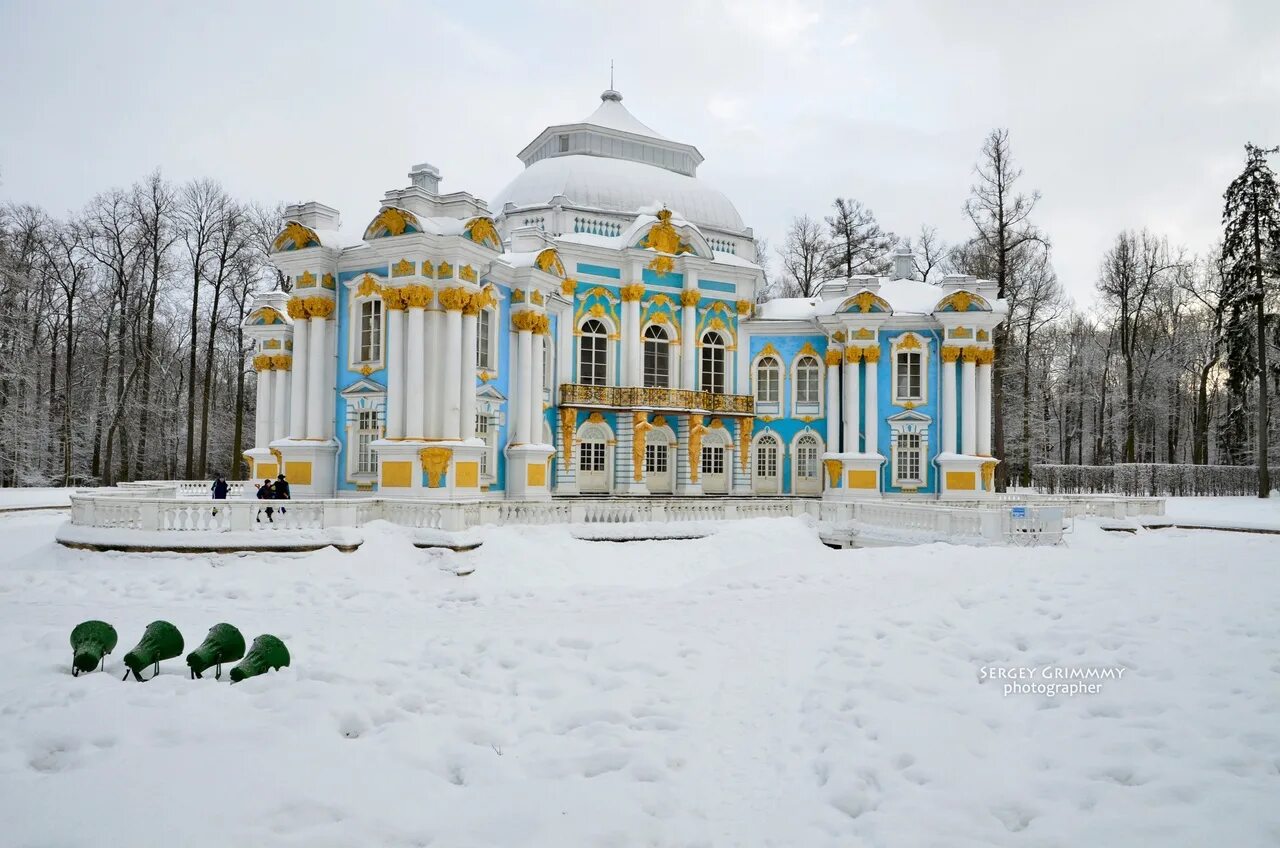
(838, 336)
(392, 299)
(297, 308)
(428, 270)
(368, 286)
(696, 431)
(568, 422)
(871, 354)
(262, 362)
(328, 282)
(524, 322)
(281, 362)
(632, 292)
(391, 222)
(852, 354)
(568, 287)
(984, 336)
(517, 296)
(744, 442)
(444, 271)
(434, 462)
(295, 233)
(950, 353)
(908, 342)
(403, 268)
(306, 280)
(833, 467)
(454, 300)
(971, 353)
(549, 261)
(467, 273)
(744, 307)
(834, 356)
(482, 231)
(417, 297)
(641, 427)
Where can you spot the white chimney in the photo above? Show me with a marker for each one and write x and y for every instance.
(904, 264)
(425, 176)
(311, 214)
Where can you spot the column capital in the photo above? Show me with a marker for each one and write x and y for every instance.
(971, 353)
(852, 354)
(871, 354)
(281, 361)
(455, 299)
(632, 293)
(834, 356)
(262, 362)
(525, 321)
(690, 297)
(392, 298)
(950, 353)
(417, 296)
(744, 307)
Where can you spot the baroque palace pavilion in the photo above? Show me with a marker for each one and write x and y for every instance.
(596, 331)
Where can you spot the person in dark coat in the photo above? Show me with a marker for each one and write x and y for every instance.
(266, 493)
(220, 488)
(282, 490)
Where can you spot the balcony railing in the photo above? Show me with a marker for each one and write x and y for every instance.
(637, 397)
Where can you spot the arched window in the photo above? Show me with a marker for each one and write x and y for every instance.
(808, 386)
(768, 380)
(713, 363)
(805, 456)
(593, 345)
(657, 357)
(765, 479)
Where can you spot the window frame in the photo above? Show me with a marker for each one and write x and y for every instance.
(600, 363)
(709, 354)
(664, 344)
(812, 408)
(764, 405)
(909, 345)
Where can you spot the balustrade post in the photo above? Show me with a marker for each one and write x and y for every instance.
(148, 516)
(241, 515)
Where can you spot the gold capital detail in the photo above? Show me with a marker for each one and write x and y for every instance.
(467, 273)
(306, 280)
(833, 467)
(475, 303)
(319, 307)
(417, 297)
(262, 362)
(454, 300)
(950, 353)
(297, 308)
(393, 299)
(542, 326)
(852, 354)
(524, 322)
(986, 356)
(640, 428)
(696, 431)
(403, 268)
(281, 361)
(632, 292)
(690, 297)
(434, 462)
(971, 353)
(744, 307)
(834, 356)
(568, 287)
(568, 423)
(871, 354)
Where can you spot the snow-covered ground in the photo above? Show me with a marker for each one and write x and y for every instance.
(34, 497)
(752, 688)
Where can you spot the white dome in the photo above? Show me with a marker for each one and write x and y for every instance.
(618, 185)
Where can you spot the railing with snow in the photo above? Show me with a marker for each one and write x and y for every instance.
(1004, 518)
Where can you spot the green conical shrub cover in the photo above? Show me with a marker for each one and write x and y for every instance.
(224, 644)
(90, 642)
(267, 652)
(160, 641)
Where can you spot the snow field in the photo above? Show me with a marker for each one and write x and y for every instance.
(752, 688)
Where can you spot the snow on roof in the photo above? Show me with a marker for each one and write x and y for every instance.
(619, 185)
(905, 297)
(611, 114)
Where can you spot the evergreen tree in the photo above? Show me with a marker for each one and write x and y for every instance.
(1251, 243)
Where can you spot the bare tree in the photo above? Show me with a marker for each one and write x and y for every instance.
(805, 256)
(928, 251)
(200, 206)
(858, 245)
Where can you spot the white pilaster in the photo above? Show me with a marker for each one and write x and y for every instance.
(415, 355)
(262, 409)
(688, 344)
(834, 358)
(279, 399)
(435, 355)
(948, 408)
(298, 390)
(851, 357)
(450, 356)
(395, 372)
(536, 361)
(984, 406)
(969, 404)
(467, 377)
(871, 424)
(317, 368)
(524, 379)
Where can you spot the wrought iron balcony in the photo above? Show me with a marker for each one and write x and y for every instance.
(638, 397)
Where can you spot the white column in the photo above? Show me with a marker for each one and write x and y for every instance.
(415, 358)
(632, 342)
(969, 405)
(298, 390)
(688, 344)
(871, 408)
(536, 341)
(851, 356)
(279, 396)
(395, 367)
(834, 358)
(316, 369)
(524, 379)
(263, 411)
(434, 353)
(948, 407)
(984, 406)
(467, 377)
(451, 399)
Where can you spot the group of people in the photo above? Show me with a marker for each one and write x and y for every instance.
(268, 491)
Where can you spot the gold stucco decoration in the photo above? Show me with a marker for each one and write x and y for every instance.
(434, 462)
(482, 231)
(524, 322)
(696, 431)
(368, 286)
(392, 299)
(444, 271)
(467, 273)
(329, 282)
(833, 467)
(281, 362)
(852, 354)
(391, 222)
(984, 336)
(455, 299)
(632, 292)
(640, 430)
(568, 287)
(744, 442)
(690, 297)
(262, 362)
(549, 261)
(417, 297)
(403, 268)
(871, 354)
(950, 353)
(568, 423)
(744, 307)
(297, 308)
(834, 356)
(909, 342)
(306, 280)
(319, 307)
(297, 235)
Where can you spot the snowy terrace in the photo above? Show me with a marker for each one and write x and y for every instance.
(174, 514)
(751, 688)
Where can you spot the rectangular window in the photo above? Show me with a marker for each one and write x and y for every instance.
(909, 387)
(564, 143)
(766, 461)
(655, 459)
(807, 385)
(483, 433)
(591, 456)
(484, 332)
(712, 460)
(657, 364)
(713, 369)
(768, 389)
(370, 331)
(366, 433)
(908, 459)
(591, 360)
(806, 461)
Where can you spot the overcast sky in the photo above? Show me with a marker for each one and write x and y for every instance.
(1122, 114)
